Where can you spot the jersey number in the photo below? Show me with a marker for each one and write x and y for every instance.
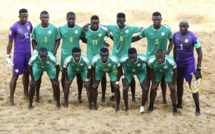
(156, 41)
(121, 38)
(181, 46)
(94, 42)
(45, 39)
(71, 39)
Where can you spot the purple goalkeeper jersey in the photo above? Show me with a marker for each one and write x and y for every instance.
(185, 45)
(21, 35)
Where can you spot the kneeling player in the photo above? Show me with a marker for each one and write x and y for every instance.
(134, 64)
(162, 65)
(101, 64)
(40, 62)
(76, 64)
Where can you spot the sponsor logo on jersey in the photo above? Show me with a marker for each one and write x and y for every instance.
(109, 64)
(49, 31)
(162, 33)
(126, 31)
(186, 40)
(76, 31)
(100, 34)
(16, 70)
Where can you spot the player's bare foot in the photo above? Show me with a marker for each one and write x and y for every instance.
(26, 96)
(58, 105)
(37, 99)
(175, 114)
(30, 106)
(11, 103)
(198, 113)
(117, 109)
(126, 109)
(179, 106)
(90, 107)
(165, 101)
(112, 98)
(95, 107)
(80, 100)
(103, 100)
(133, 99)
(66, 105)
(149, 110)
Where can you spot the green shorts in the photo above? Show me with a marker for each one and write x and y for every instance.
(62, 60)
(112, 74)
(71, 74)
(167, 74)
(140, 75)
(37, 71)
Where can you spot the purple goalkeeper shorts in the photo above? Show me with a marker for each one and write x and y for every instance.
(186, 71)
(20, 63)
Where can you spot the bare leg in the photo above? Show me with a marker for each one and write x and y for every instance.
(31, 95)
(66, 94)
(164, 88)
(12, 88)
(117, 95)
(125, 97)
(63, 80)
(104, 84)
(25, 82)
(80, 86)
(196, 100)
(173, 96)
(153, 94)
(180, 91)
(56, 89)
(132, 85)
(37, 99)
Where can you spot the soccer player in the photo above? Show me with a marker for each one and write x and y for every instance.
(95, 35)
(157, 36)
(102, 64)
(20, 33)
(134, 64)
(162, 65)
(184, 43)
(71, 33)
(45, 35)
(44, 61)
(73, 65)
(122, 36)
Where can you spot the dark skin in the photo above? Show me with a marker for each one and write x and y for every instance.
(23, 17)
(104, 59)
(87, 84)
(157, 25)
(44, 23)
(34, 84)
(171, 85)
(71, 24)
(180, 89)
(144, 85)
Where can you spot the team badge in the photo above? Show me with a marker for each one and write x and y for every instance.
(28, 27)
(16, 70)
(76, 32)
(109, 64)
(81, 64)
(10, 32)
(126, 31)
(162, 33)
(48, 62)
(50, 32)
(186, 40)
(138, 64)
(100, 34)
(165, 67)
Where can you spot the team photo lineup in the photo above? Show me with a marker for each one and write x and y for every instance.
(125, 64)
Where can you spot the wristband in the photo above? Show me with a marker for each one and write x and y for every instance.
(87, 79)
(122, 77)
(117, 83)
(8, 56)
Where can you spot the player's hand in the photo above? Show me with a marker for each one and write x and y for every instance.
(95, 85)
(87, 84)
(8, 61)
(116, 84)
(198, 73)
(106, 44)
(85, 27)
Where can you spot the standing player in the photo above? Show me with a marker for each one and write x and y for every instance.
(184, 42)
(102, 64)
(45, 35)
(134, 64)
(162, 65)
(122, 36)
(44, 61)
(95, 35)
(157, 36)
(20, 32)
(77, 64)
(71, 34)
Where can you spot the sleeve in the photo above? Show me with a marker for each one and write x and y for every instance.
(117, 63)
(34, 34)
(57, 34)
(67, 62)
(107, 33)
(142, 33)
(31, 29)
(12, 32)
(151, 62)
(195, 41)
(87, 63)
(169, 33)
(135, 29)
(32, 60)
(94, 61)
(172, 62)
(53, 60)
(109, 27)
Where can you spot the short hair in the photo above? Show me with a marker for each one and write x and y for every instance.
(156, 14)
(121, 15)
(23, 10)
(70, 13)
(132, 50)
(43, 50)
(44, 12)
(104, 50)
(94, 17)
(75, 50)
(160, 52)
(184, 21)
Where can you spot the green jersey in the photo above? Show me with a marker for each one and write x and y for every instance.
(136, 67)
(83, 64)
(169, 64)
(46, 37)
(95, 41)
(70, 37)
(108, 66)
(156, 39)
(50, 60)
(122, 38)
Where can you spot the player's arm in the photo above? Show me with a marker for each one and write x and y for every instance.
(198, 70)
(30, 67)
(83, 39)
(57, 71)
(57, 44)
(9, 46)
(120, 73)
(175, 73)
(8, 61)
(135, 38)
(174, 52)
(65, 73)
(170, 46)
(34, 44)
(85, 27)
(93, 74)
(152, 75)
(111, 37)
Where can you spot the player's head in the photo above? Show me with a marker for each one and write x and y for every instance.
(104, 53)
(94, 21)
(120, 20)
(44, 17)
(156, 18)
(160, 56)
(76, 54)
(43, 53)
(132, 55)
(70, 17)
(23, 15)
(183, 26)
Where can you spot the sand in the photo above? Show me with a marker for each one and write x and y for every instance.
(46, 118)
